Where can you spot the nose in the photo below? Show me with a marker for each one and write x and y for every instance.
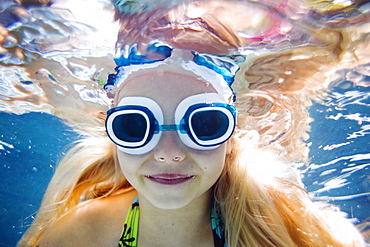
(169, 148)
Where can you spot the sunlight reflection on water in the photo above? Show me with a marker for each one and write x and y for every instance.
(59, 58)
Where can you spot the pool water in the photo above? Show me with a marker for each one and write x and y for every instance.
(32, 143)
(30, 146)
(48, 63)
(340, 151)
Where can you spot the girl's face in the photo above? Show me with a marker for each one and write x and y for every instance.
(172, 175)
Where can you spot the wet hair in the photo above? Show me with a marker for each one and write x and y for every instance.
(259, 209)
(272, 208)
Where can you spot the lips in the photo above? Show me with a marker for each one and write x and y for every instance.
(169, 179)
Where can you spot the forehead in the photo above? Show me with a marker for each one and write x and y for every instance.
(165, 87)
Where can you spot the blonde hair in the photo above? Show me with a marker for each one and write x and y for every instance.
(263, 203)
(258, 208)
(88, 171)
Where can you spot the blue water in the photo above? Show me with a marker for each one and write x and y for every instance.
(34, 142)
(31, 146)
(339, 151)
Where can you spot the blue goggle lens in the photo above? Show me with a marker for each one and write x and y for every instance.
(209, 125)
(130, 127)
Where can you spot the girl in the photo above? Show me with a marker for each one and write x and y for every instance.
(171, 168)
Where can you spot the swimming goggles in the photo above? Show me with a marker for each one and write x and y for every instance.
(202, 121)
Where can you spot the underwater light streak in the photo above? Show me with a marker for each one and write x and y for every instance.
(344, 3)
(99, 15)
(4, 144)
(340, 198)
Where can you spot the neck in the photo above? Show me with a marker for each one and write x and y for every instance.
(187, 226)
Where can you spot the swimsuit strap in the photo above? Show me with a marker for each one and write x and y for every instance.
(130, 229)
(218, 227)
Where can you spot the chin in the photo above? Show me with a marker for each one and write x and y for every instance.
(169, 202)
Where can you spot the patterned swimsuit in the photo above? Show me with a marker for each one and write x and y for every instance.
(130, 230)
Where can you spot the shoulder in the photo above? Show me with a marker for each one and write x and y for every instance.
(96, 223)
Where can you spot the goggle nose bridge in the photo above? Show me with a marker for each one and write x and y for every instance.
(168, 127)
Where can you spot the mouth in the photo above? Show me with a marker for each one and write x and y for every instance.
(170, 179)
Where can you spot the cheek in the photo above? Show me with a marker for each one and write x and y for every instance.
(214, 162)
(128, 164)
